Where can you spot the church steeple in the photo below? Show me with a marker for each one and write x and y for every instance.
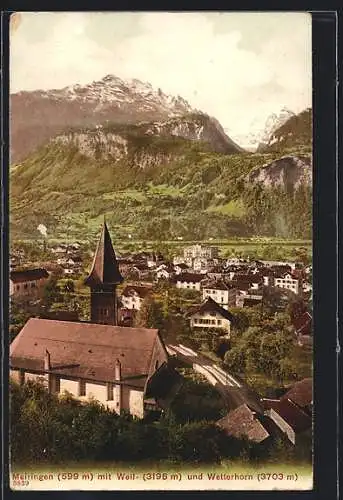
(105, 269)
(103, 280)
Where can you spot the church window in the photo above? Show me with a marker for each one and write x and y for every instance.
(109, 392)
(82, 388)
(57, 384)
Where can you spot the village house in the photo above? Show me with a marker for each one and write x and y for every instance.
(221, 292)
(268, 276)
(288, 282)
(178, 259)
(28, 282)
(202, 251)
(133, 295)
(245, 423)
(125, 265)
(181, 268)
(217, 273)
(248, 300)
(164, 271)
(255, 281)
(189, 281)
(140, 271)
(113, 365)
(211, 315)
(292, 413)
(279, 265)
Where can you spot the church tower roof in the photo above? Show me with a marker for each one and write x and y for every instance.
(105, 269)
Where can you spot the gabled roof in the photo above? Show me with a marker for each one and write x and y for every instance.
(218, 285)
(28, 275)
(243, 423)
(303, 323)
(141, 291)
(190, 278)
(295, 416)
(105, 269)
(248, 278)
(86, 350)
(210, 305)
(182, 265)
(301, 393)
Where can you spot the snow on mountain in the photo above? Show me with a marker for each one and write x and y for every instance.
(262, 135)
(39, 115)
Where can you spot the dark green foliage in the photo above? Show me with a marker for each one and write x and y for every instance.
(44, 428)
(196, 401)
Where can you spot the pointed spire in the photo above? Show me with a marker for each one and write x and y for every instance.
(105, 269)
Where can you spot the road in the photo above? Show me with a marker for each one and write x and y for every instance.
(234, 391)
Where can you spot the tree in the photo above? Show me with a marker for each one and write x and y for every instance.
(150, 314)
(51, 291)
(197, 442)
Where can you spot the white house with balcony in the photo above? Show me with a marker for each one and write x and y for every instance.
(289, 282)
(211, 315)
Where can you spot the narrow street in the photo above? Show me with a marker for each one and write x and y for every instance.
(234, 391)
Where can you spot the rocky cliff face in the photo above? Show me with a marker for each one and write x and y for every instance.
(115, 142)
(295, 131)
(288, 172)
(196, 127)
(39, 115)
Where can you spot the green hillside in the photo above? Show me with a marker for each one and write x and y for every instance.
(162, 188)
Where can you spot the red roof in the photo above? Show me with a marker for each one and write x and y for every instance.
(243, 422)
(28, 275)
(301, 393)
(86, 350)
(290, 413)
(303, 323)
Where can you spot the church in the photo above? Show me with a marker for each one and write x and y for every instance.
(119, 367)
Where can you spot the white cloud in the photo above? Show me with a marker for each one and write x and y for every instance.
(182, 53)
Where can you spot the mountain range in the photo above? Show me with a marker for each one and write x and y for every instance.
(39, 115)
(153, 164)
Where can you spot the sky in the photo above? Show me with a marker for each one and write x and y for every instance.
(238, 67)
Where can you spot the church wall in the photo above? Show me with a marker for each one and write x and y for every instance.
(131, 399)
(96, 391)
(136, 404)
(71, 386)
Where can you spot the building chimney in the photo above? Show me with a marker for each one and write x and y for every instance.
(47, 364)
(117, 387)
(117, 370)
